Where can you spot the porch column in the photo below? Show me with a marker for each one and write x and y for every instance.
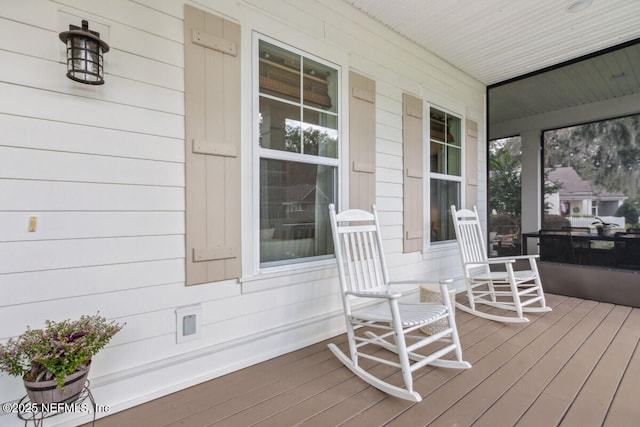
(531, 184)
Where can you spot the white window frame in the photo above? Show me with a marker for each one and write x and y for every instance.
(259, 153)
(435, 175)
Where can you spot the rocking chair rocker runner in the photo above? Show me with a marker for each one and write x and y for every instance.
(508, 289)
(376, 318)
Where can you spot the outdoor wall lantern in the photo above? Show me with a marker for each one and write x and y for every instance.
(84, 54)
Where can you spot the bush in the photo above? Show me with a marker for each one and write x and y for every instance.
(629, 212)
(500, 222)
(555, 222)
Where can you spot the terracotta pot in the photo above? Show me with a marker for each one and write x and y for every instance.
(49, 392)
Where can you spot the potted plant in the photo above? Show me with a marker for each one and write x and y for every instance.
(603, 228)
(54, 362)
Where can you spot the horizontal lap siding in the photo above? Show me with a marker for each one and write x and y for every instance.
(84, 196)
(68, 283)
(74, 167)
(87, 225)
(38, 133)
(42, 103)
(103, 170)
(72, 253)
(33, 72)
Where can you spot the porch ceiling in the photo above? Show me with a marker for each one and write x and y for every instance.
(497, 40)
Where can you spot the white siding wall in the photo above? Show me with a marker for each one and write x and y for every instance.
(103, 170)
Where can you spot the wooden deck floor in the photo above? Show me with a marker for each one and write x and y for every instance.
(578, 365)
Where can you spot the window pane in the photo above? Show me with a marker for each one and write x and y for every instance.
(294, 200)
(320, 134)
(279, 126)
(438, 125)
(437, 157)
(443, 195)
(454, 161)
(454, 130)
(279, 72)
(320, 86)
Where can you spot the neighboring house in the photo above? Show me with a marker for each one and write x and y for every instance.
(577, 196)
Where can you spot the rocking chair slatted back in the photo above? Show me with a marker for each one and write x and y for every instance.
(472, 246)
(360, 259)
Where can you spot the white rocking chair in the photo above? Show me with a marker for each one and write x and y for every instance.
(519, 291)
(374, 315)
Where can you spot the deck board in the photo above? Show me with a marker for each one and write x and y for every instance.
(543, 372)
(625, 409)
(285, 385)
(497, 351)
(510, 376)
(570, 378)
(578, 365)
(534, 373)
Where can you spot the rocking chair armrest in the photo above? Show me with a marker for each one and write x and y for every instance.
(517, 257)
(492, 261)
(382, 295)
(418, 282)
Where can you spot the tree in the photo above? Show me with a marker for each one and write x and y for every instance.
(549, 188)
(505, 182)
(606, 153)
(505, 185)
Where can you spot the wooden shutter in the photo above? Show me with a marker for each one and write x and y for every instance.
(362, 141)
(212, 161)
(471, 163)
(413, 172)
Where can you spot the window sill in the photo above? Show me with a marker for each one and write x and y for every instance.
(288, 275)
(438, 247)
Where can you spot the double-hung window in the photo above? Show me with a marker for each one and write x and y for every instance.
(297, 152)
(445, 160)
